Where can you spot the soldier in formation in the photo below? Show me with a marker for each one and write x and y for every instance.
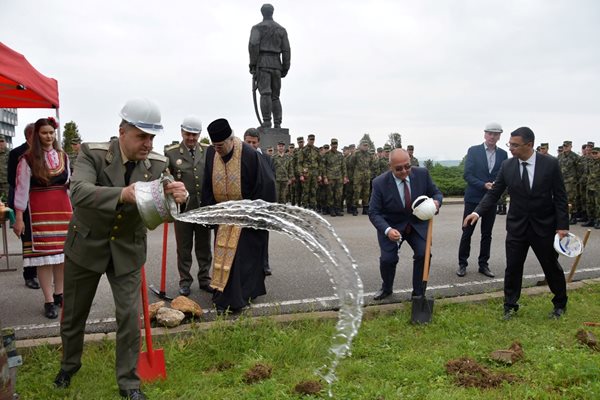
(362, 164)
(309, 172)
(569, 165)
(283, 172)
(593, 187)
(414, 161)
(335, 177)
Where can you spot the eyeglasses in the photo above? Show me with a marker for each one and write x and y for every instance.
(515, 145)
(401, 168)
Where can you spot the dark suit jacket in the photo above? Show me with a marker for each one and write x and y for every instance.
(543, 207)
(477, 174)
(386, 208)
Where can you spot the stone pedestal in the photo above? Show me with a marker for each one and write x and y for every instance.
(271, 136)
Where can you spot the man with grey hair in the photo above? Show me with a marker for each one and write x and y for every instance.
(269, 50)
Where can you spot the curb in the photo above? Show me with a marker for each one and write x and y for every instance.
(368, 311)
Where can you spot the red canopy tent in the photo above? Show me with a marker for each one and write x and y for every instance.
(22, 86)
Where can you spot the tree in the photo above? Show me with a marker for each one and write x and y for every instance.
(428, 164)
(395, 140)
(205, 140)
(367, 137)
(70, 132)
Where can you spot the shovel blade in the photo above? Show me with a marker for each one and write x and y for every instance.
(422, 310)
(151, 366)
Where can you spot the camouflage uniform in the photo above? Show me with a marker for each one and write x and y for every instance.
(383, 163)
(334, 172)
(297, 173)
(349, 187)
(414, 162)
(309, 166)
(593, 186)
(283, 174)
(362, 163)
(568, 162)
(4, 174)
(587, 193)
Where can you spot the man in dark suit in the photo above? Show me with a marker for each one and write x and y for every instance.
(391, 213)
(538, 210)
(481, 167)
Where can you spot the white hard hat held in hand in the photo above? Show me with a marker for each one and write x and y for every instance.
(143, 114)
(424, 208)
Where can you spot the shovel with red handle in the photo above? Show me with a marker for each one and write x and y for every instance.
(163, 270)
(151, 363)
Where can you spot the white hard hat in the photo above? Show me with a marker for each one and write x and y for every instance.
(424, 208)
(191, 124)
(570, 245)
(493, 127)
(143, 114)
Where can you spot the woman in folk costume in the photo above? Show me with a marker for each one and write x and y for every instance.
(42, 176)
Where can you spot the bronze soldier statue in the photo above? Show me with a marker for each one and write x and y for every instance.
(269, 50)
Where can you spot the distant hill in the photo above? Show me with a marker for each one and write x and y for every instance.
(447, 163)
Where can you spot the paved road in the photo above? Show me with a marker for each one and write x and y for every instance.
(299, 282)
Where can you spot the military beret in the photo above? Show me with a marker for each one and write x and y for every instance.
(543, 144)
(281, 142)
(300, 138)
(364, 141)
(567, 143)
(591, 144)
(379, 149)
(334, 141)
(410, 147)
(311, 136)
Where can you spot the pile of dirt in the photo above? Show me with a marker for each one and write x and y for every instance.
(588, 338)
(469, 373)
(257, 373)
(308, 387)
(510, 356)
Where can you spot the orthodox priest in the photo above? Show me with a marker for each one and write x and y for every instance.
(235, 171)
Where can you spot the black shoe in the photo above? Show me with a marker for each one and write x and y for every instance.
(509, 314)
(597, 226)
(486, 271)
(557, 313)
(132, 394)
(339, 212)
(461, 271)
(184, 291)
(58, 300)
(32, 283)
(573, 220)
(50, 311)
(365, 210)
(589, 222)
(207, 288)
(382, 294)
(62, 380)
(354, 211)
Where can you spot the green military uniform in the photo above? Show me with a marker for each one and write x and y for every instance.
(283, 175)
(362, 163)
(334, 173)
(105, 237)
(297, 172)
(188, 167)
(593, 186)
(349, 187)
(586, 187)
(73, 154)
(321, 187)
(414, 161)
(383, 163)
(568, 162)
(309, 166)
(4, 172)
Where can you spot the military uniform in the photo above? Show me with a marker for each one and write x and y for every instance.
(568, 162)
(349, 187)
(414, 161)
(189, 169)
(309, 166)
(4, 173)
(105, 237)
(362, 164)
(283, 175)
(334, 174)
(297, 172)
(587, 192)
(383, 163)
(593, 186)
(73, 154)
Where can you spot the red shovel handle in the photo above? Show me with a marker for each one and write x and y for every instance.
(147, 328)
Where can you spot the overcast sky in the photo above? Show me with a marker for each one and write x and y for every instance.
(435, 71)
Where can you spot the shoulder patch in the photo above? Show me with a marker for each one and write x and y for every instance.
(171, 147)
(156, 156)
(99, 146)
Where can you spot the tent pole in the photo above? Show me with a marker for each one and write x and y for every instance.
(58, 129)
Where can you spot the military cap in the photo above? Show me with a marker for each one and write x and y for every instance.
(2, 139)
(292, 145)
(543, 144)
(567, 143)
(584, 146)
(364, 141)
(410, 147)
(591, 144)
(326, 146)
(560, 147)
(281, 142)
(300, 138)
(311, 136)
(595, 149)
(387, 147)
(75, 140)
(352, 146)
(379, 149)
(270, 148)
(372, 150)
(334, 141)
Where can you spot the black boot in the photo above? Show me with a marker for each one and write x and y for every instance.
(354, 211)
(597, 226)
(498, 209)
(58, 300)
(325, 210)
(365, 210)
(573, 219)
(339, 212)
(502, 210)
(589, 222)
(582, 217)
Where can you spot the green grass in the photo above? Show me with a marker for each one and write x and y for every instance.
(391, 359)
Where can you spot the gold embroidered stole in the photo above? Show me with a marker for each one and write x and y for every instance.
(227, 185)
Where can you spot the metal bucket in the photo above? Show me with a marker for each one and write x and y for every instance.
(153, 205)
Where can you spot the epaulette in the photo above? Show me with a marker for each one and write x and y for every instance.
(99, 146)
(171, 147)
(155, 156)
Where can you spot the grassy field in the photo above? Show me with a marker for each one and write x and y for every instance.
(391, 359)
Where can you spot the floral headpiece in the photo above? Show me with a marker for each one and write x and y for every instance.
(52, 122)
